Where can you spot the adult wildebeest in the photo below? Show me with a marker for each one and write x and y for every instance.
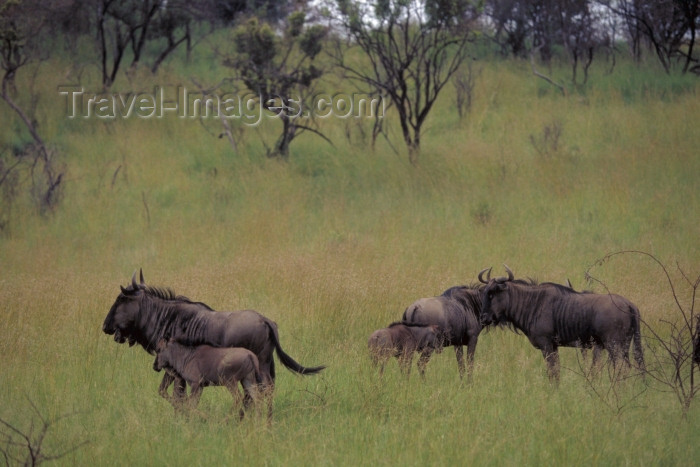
(401, 340)
(456, 313)
(144, 315)
(553, 316)
(205, 365)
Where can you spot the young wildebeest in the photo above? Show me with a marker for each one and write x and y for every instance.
(553, 316)
(205, 365)
(143, 315)
(456, 313)
(401, 340)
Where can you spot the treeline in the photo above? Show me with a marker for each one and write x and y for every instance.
(408, 51)
(128, 33)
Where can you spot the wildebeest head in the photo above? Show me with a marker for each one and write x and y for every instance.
(121, 317)
(495, 302)
(161, 360)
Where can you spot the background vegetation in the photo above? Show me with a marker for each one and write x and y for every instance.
(334, 243)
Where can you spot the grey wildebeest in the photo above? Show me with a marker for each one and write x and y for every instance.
(402, 340)
(553, 316)
(456, 313)
(144, 315)
(205, 365)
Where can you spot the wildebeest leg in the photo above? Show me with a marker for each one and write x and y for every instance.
(595, 365)
(250, 393)
(267, 372)
(239, 404)
(382, 364)
(471, 348)
(459, 353)
(405, 360)
(379, 358)
(423, 361)
(195, 394)
(551, 356)
(615, 351)
(179, 390)
(164, 384)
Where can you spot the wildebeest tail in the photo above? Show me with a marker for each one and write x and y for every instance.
(637, 338)
(286, 360)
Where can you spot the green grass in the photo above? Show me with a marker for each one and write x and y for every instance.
(336, 243)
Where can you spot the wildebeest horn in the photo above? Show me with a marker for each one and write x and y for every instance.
(133, 282)
(141, 276)
(510, 273)
(488, 276)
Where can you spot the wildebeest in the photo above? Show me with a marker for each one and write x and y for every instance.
(205, 365)
(144, 315)
(553, 316)
(401, 340)
(456, 313)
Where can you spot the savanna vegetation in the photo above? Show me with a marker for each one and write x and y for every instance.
(333, 241)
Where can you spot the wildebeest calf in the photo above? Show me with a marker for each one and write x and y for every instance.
(205, 365)
(401, 340)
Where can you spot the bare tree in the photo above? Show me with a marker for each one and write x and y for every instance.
(412, 48)
(464, 83)
(124, 28)
(25, 446)
(21, 25)
(669, 27)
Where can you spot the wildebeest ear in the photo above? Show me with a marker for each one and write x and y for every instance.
(124, 291)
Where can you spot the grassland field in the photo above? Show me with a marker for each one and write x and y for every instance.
(334, 244)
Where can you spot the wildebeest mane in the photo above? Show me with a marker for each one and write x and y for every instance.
(561, 287)
(467, 295)
(166, 317)
(166, 293)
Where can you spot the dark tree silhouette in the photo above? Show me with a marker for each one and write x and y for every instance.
(412, 48)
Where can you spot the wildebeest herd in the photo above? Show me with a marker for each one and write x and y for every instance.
(198, 346)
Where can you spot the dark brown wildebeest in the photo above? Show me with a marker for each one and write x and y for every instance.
(456, 313)
(401, 340)
(144, 315)
(205, 365)
(553, 316)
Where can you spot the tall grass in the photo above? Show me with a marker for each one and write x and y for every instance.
(335, 244)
